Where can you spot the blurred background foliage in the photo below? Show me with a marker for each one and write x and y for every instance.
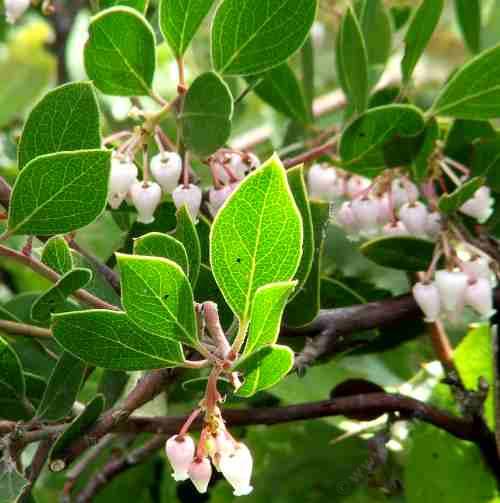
(334, 460)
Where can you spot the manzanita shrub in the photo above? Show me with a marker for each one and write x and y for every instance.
(173, 281)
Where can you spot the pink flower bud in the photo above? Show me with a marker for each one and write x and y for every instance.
(115, 199)
(243, 165)
(414, 216)
(479, 296)
(395, 229)
(321, 182)
(356, 185)
(452, 286)
(433, 226)
(237, 469)
(180, 452)
(478, 267)
(480, 206)
(366, 212)
(14, 9)
(403, 192)
(189, 196)
(123, 175)
(385, 213)
(217, 197)
(146, 197)
(200, 473)
(427, 297)
(346, 219)
(166, 169)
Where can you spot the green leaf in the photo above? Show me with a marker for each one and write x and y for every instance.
(12, 383)
(335, 294)
(352, 61)
(62, 389)
(463, 136)
(120, 53)
(473, 358)
(256, 237)
(280, 88)
(206, 115)
(305, 305)
(57, 255)
(79, 426)
(376, 25)
(65, 119)
(12, 482)
(187, 234)
(421, 164)
(264, 368)
(157, 296)
(109, 339)
(474, 91)
(299, 190)
(364, 143)
(422, 25)
(180, 20)
(59, 193)
(112, 385)
(140, 5)
(248, 36)
(469, 19)
(404, 253)
(486, 162)
(54, 300)
(267, 311)
(448, 203)
(156, 244)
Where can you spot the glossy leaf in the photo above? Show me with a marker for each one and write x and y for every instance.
(422, 25)
(403, 253)
(62, 389)
(264, 368)
(57, 255)
(76, 429)
(59, 193)
(12, 482)
(299, 190)
(364, 142)
(206, 115)
(452, 202)
(469, 19)
(280, 88)
(474, 91)
(180, 20)
(109, 339)
(156, 244)
(12, 383)
(421, 164)
(376, 25)
(473, 358)
(140, 5)
(120, 53)
(249, 36)
(486, 162)
(65, 119)
(54, 300)
(157, 296)
(187, 234)
(305, 305)
(352, 61)
(256, 237)
(267, 311)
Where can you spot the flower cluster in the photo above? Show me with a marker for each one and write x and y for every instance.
(216, 447)
(14, 9)
(470, 284)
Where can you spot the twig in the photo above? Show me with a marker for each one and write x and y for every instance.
(14, 328)
(115, 467)
(312, 154)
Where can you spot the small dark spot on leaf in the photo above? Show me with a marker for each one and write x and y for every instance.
(435, 455)
(165, 297)
(362, 135)
(238, 260)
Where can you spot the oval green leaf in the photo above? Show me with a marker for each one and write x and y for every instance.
(156, 244)
(180, 20)
(109, 339)
(12, 383)
(365, 144)
(59, 193)
(57, 255)
(403, 253)
(206, 115)
(252, 36)
(469, 19)
(256, 238)
(449, 203)
(157, 296)
(120, 53)
(187, 234)
(65, 119)
(140, 5)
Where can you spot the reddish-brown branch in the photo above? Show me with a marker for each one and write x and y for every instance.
(312, 154)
